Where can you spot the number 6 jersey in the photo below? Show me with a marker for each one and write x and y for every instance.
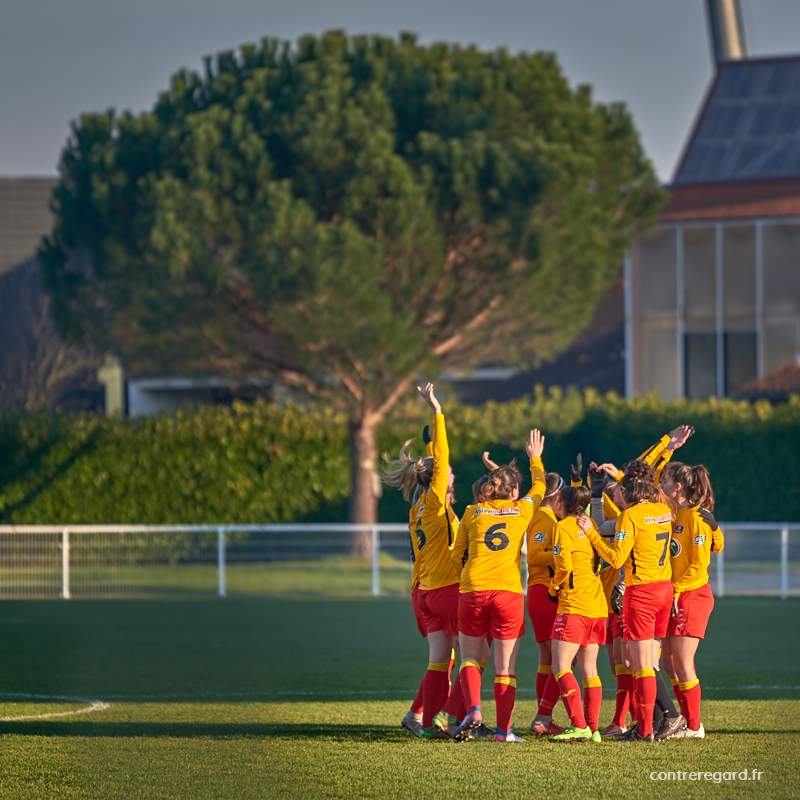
(486, 552)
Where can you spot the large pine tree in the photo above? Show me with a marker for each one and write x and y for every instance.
(345, 215)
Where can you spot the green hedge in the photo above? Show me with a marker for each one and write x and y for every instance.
(265, 463)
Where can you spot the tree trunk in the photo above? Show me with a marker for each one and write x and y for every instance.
(365, 482)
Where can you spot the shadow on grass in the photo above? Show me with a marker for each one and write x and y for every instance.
(214, 730)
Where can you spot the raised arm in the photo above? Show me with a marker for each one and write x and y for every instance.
(534, 448)
(440, 448)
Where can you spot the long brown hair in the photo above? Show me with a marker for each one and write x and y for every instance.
(695, 481)
(639, 483)
(575, 499)
(406, 472)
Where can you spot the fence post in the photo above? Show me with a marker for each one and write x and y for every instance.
(721, 572)
(784, 563)
(376, 554)
(65, 564)
(221, 590)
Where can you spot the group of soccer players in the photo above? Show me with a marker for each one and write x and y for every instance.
(621, 562)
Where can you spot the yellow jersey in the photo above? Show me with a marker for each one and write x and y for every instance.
(581, 591)
(641, 543)
(487, 549)
(691, 550)
(539, 538)
(433, 528)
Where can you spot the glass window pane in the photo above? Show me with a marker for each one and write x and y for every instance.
(701, 365)
(739, 276)
(661, 359)
(700, 282)
(657, 260)
(740, 360)
(781, 281)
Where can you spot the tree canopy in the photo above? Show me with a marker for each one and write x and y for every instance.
(344, 215)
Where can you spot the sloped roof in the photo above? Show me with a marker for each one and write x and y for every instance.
(777, 385)
(749, 127)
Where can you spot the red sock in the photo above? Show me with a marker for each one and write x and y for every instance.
(624, 692)
(542, 674)
(592, 697)
(549, 696)
(691, 695)
(433, 686)
(416, 706)
(470, 677)
(455, 701)
(677, 691)
(646, 691)
(571, 696)
(505, 692)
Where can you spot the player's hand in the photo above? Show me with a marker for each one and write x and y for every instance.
(584, 523)
(609, 469)
(708, 518)
(575, 471)
(674, 612)
(679, 436)
(487, 462)
(430, 398)
(426, 435)
(534, 447)
(553, 598)
(596, 478)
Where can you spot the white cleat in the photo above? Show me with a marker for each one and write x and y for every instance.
(688, 733)
(413, 723)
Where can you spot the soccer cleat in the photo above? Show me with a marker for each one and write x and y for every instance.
(501, 736)
(412, 722)
(472, 720)
(649, 739)
(596, 737)
(433, 732)
(612, 730)
(670, 728)
(629, 734)
(445, 721)
(480, 731)
(545, 729)
(573, 734)
(688, 733)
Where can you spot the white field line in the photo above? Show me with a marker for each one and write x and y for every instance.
(94, 705)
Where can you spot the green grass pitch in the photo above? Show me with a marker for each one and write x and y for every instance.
(259, 697)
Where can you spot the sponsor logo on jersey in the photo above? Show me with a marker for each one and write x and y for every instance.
(700, 539)
(420, 509)
(679, 529)
(498, 512)
(581, 535)
(530, 500)
(658, 520)
(556, 549)
(675, 547)
(620, 536)
(539, 537)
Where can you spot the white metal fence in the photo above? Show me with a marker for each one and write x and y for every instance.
(298, 559)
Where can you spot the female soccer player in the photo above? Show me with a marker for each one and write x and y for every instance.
(541, 568)
(486, 555)
(641, 543)
(437, 598)
(580, 623)
(693, 539)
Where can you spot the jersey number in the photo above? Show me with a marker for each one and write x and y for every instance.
(663, 537)
(496, 532)
(420, 537)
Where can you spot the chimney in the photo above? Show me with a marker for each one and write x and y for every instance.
(727, 32)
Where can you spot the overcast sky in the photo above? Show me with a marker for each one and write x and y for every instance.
(60, 58)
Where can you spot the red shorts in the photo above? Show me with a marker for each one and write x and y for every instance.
(645, 611)
(541, 611)
(579, 629)
(439, 609)
(694, 609)
(417, 611)
(614, 627)
(501, 614)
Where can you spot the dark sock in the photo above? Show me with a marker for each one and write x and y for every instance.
(664, 702)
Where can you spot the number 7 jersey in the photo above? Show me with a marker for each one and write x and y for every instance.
(641, 543)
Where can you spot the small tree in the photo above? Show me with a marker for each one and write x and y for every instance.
(345, 215)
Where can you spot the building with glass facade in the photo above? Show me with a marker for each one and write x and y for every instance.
(713, 293)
